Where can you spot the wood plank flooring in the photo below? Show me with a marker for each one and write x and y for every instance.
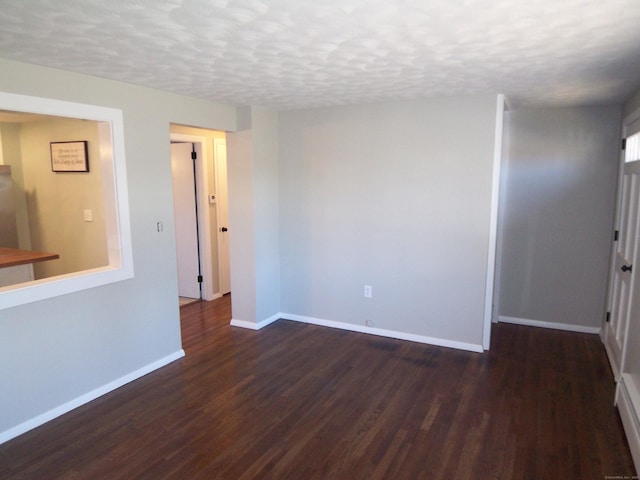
(297, 401)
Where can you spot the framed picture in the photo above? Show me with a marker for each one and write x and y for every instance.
(69, 156)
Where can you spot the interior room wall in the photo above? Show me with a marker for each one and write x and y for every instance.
(631, 105)
(63, 351)
(56, 201)
(12, 155)
(500, 221)
(558, 209)
(242, 226)
(396, 196)
(254, 218)
(267, 214)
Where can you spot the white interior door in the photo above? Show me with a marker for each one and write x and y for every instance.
(220, 155)
(184, 205)
(624, 257)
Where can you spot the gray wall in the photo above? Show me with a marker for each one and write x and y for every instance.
(397, 196)
(56, 350)
(11, 152)
(631, 105)
(55, 201)
(242, 251)
(266, 208)
(557, 212)
(254, 216)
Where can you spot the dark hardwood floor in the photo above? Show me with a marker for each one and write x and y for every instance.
(297, 401)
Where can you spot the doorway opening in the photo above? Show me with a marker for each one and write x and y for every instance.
(198, 159)
(184, 157)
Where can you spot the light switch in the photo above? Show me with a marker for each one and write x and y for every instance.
(88, 216)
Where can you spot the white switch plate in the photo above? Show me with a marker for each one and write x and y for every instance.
(368, 291)
(88, 216)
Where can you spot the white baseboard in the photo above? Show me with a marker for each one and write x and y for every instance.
(360, 329)
(214, 296)
(86, 398)
(556, 326)
(255, 326)
(384, 333)
(628, 403)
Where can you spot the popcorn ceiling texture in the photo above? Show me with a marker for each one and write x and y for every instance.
(288, 54)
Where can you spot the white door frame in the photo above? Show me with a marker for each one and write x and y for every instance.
(202, 173)
(491, 293)
(225, 198)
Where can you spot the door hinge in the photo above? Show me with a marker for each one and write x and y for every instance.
(193, 155)
(608, 319)
(624, 144)
(199, 278)
(616, 234)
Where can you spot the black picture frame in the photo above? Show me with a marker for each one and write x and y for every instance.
(70, 156)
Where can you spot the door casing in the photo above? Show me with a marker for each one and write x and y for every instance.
(222, 210)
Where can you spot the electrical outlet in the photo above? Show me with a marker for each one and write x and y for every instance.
(368, 323)
(87, 215)
(368, 291)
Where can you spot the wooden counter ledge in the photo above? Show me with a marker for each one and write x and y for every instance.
(10, 257)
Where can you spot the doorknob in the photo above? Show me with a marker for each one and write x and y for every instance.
(626, 268)
(224, 229)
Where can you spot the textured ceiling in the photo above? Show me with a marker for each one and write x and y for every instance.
(307, 53)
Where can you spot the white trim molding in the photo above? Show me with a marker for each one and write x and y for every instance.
(493, 224)
(253, 325)
(440, 342)
(87, 397)
(553, 325)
